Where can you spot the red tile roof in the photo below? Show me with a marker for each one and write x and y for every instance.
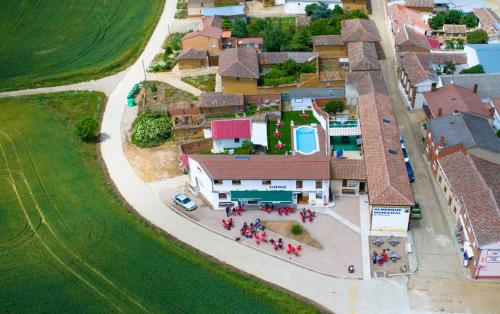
(327, 40)
(477, 183)
(229, 129)
(455, 98)
(264, 167)
(402, 15)
(359, 30)
(362, 56)
(443, 57)
(347, 169)
(420, 3)
(435, 44)
(416, 66)
(385, 172)
(239, 62)
(407, 35)
(454, 28)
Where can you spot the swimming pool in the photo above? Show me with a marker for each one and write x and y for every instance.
(306, 140)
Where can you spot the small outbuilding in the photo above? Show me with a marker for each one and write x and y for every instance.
(192, 59)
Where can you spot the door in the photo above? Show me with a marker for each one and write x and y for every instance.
(362, 187)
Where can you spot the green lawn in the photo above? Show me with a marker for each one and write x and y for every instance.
(57, 42)
(67, 244)
(204, 83)
(286, 130)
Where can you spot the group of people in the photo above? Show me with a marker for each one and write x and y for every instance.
(228, 224)
(252, 229)
(307, 215)
(234, 210)
(384, 256)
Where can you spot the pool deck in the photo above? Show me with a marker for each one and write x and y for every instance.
(321, 140)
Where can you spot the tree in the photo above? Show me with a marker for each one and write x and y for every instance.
(473, 70)
(322, 11)
(478, 36)
(337, 10)
(273, 39)
(150, 129)
(453, 17)
(86, 129)
(450, 67)
(226, 23)
(470, 20)
(323, 27)
(334, 106)
(437, 21)
(311, 8)
(239, 28)
(301, 40)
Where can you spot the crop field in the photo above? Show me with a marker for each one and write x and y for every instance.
(67, 244)
(45, 43)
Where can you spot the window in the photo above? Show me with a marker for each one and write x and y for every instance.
(392, 151)
(344, 183)
(199, 169)
(439, 179)
(266, 182)
(217, 181)
(213, 45)
(299, 100)
(236, 182)
(386, 120)
(236, 140)
(449, 201)
(298, 184)
(445, 189)
(319, 184)
(222, 196)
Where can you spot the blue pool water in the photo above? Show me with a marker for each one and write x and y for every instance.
(305, 140)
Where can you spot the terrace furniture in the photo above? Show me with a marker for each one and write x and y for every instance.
(394, 256)
(393, 241)
(377, 241)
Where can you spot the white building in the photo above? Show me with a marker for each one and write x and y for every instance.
(257, 179)
(296, 7)
(227, 134)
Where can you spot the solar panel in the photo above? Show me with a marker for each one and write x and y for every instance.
(242, 157)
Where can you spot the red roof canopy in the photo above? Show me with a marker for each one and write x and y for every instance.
(434, 43)
(228, 129)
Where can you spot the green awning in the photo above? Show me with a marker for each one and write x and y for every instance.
(262, 196)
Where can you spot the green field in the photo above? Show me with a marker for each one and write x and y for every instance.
(67, 244)
(56, 42)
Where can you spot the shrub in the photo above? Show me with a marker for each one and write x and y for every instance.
(86, 129)
(151, 129)
(296, 229)
(153, 88)
(478, 36)
(334, 106)
(473, 70)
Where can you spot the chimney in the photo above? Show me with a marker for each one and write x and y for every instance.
(441, 142)
(440, 111)
(474, 90)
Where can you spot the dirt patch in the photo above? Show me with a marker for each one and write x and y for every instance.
(284, 228)
(152, 164)
(165, 96)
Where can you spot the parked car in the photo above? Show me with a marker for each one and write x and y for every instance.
(409, 170)
(411, 175)
(184, 201)
(415, 212)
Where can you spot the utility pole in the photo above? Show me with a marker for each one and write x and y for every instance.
(144, 70)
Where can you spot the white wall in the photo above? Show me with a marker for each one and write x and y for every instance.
(199, 178)
(220, 145)
(472, 58)
(496, 120)
(301, 103)
(388, 218)
(298, 7)
(259, 133)
(321, 120)
(421, 88)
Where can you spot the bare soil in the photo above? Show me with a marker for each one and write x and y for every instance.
(166, 96)
(285, 227)
(152, 164)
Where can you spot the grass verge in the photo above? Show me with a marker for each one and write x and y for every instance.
(204, 83)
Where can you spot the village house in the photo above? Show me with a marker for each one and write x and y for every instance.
(458, 131)
(216, 103)
(362, 5)
(486, 55)
(347, 176)
(471, 187)
(194, 6)
(489, 22)
(422, 6)
(239, 71)
(415, 77)
(362, 56)
(192, 59)
(441, 59)
(303, 98)
(256, 179)
(330, 46)
(362, 83)
(231, 133)
(390, 194)
(399, 16)
(454, 32)
(408, 39)
(453, 98)
(256, 43)
(359, 30)
(208, 38)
